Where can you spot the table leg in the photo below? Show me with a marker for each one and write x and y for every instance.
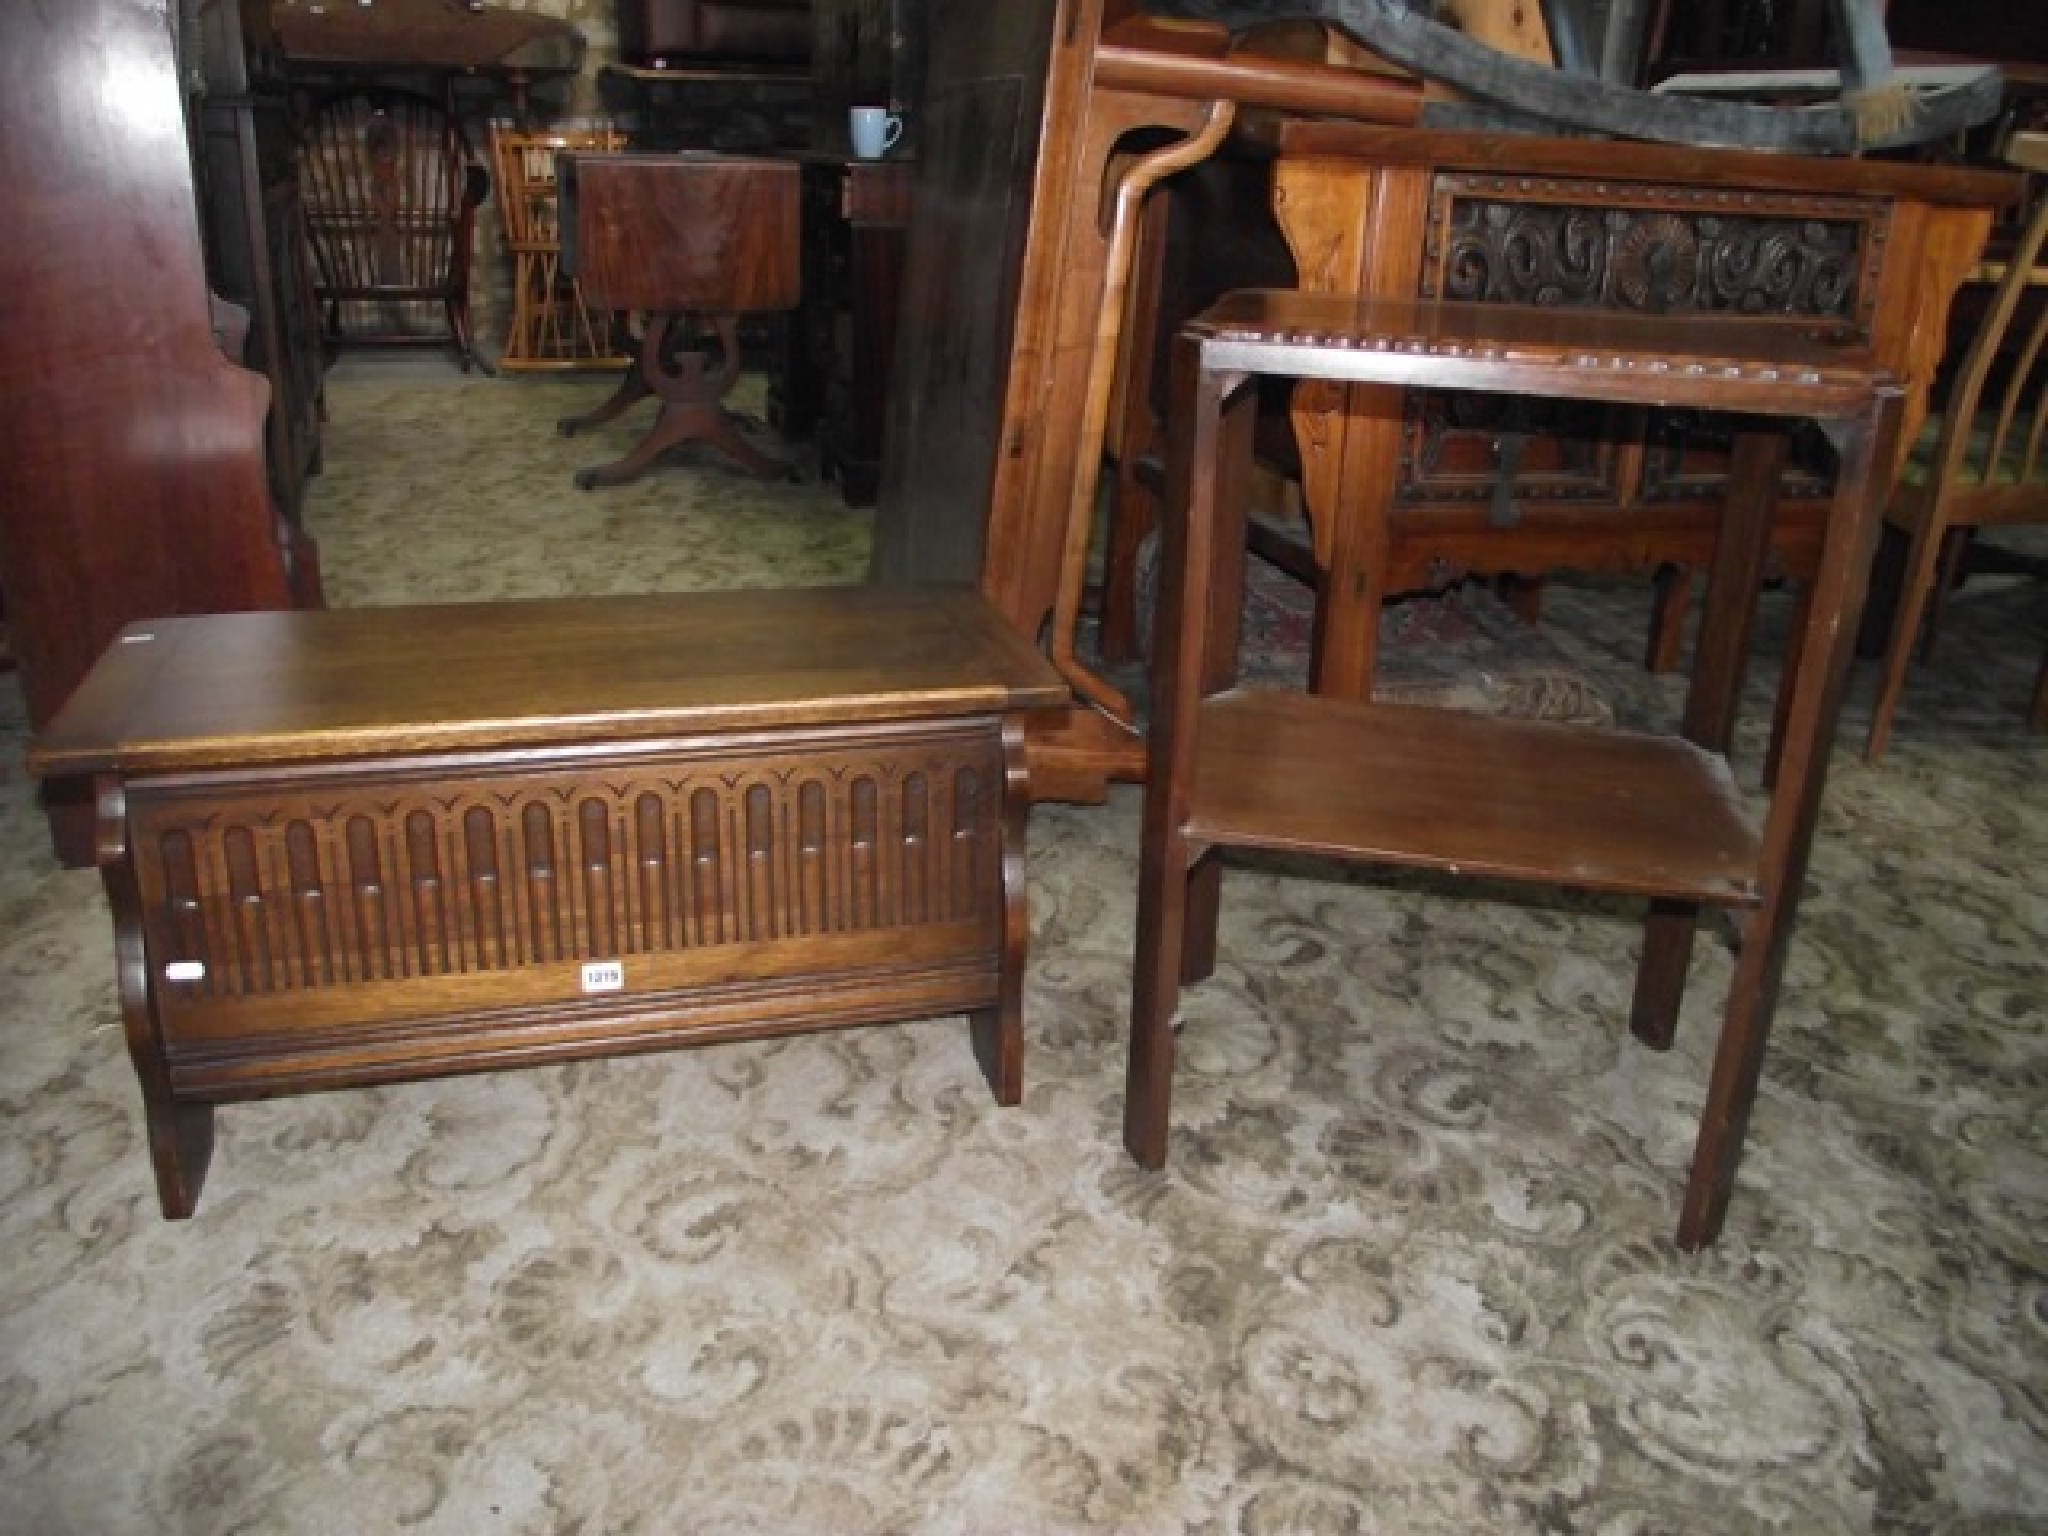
(1825, 648)
(1202, 553)
(634, 386)
(1222, 588)
(1712, 703)
(1347, 625)
(692, 406)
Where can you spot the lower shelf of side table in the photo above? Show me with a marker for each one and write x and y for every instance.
(1475, 795)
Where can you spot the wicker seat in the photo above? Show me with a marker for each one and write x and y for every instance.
(551, 326)
(391, 192)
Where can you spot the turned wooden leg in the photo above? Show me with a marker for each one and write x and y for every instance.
(180, 1148)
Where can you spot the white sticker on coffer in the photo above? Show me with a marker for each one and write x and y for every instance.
(185, 970)
(603, 975)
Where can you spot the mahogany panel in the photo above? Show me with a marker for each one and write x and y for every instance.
(692, 231)
(132, 475)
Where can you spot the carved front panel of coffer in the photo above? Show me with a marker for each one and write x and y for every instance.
(302, 904)
(1582, 243)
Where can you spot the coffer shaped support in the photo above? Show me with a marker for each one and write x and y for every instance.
(374, 845)
(1653, 817)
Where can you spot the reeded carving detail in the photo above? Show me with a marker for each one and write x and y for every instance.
(347, 884)
(1558, 243)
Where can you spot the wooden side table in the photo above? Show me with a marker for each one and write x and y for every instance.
(1658, 818)
(373, 845)
(697, 241)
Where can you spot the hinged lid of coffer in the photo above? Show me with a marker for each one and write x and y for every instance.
(255, 688)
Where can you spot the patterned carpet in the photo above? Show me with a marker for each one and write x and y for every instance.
(1409, 1270)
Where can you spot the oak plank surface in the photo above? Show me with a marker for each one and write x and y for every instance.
(1518, 799)
(266, 687)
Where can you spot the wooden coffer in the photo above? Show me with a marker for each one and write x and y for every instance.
(400, 917)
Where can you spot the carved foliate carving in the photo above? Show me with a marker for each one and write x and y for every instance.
(1579, 244)
(1589, 245)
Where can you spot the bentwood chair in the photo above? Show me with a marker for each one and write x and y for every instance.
(1982, 463)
